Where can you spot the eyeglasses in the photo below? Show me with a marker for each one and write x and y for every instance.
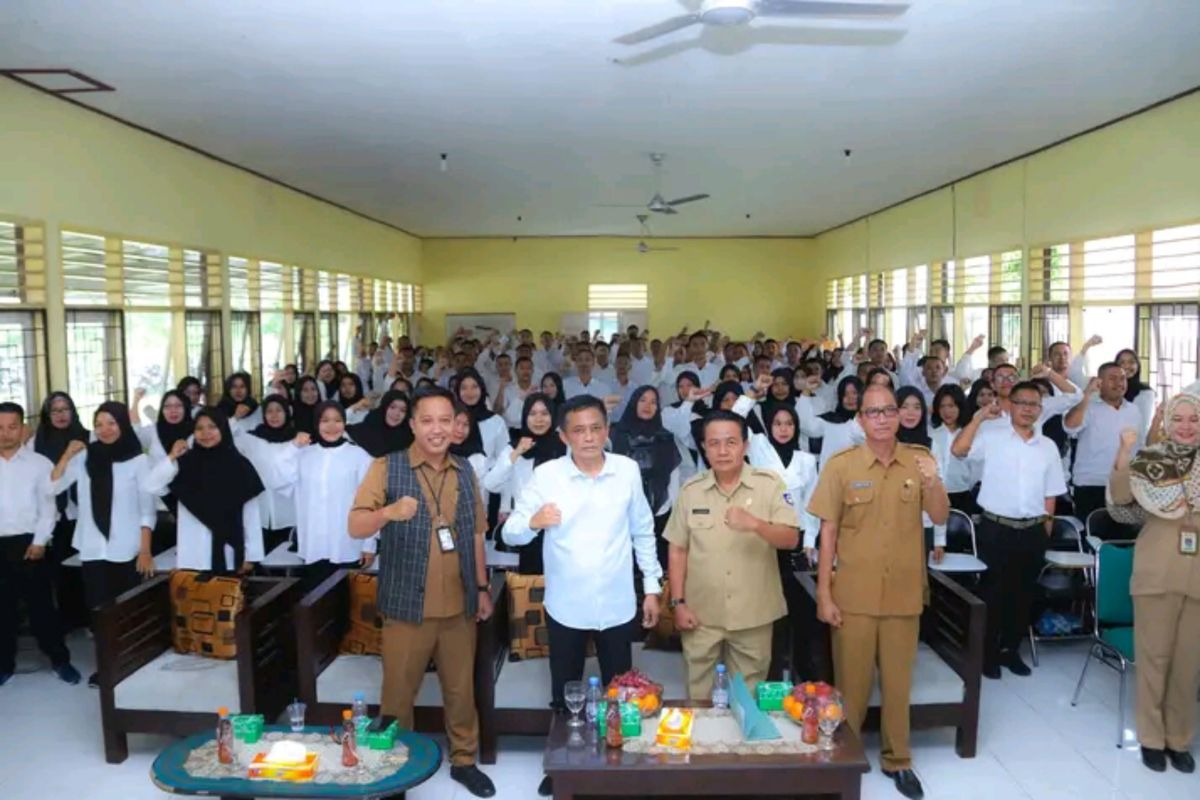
(1026, 403)
(883, 411)
(1005, 378)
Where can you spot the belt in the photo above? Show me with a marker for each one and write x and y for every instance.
(1017, 523)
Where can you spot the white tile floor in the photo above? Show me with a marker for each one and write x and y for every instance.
(1033, 746)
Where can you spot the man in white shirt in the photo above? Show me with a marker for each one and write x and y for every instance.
(605, 370)
(549, 357)
(996, 355)
(1021, 479)
(27, 513)
(511, 399)
(1096, 424)
(593, 510)
(623, 386)
(584, 380)
(641, 365)
(1005, 378)
(698, 361)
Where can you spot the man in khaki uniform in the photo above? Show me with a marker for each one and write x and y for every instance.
(723, 534)
(870, 499)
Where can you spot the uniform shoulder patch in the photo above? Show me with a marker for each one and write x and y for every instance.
(692, 481)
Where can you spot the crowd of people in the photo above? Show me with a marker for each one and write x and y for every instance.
(710, 467)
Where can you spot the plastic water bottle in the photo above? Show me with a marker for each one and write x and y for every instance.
(359, 708)
(720, 693)
(592, 703)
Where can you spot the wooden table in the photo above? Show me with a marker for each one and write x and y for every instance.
(168, 774)
(593, 769)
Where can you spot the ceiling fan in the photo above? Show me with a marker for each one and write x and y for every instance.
(658, 204)
(641, 246)
(729, 13)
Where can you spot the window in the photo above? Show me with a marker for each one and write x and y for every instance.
(984, 293)
(304, 339)
(1047, 324)
(1166, 345)
(606, 322)
(1115, 323)
(1108, 269)
(1175, 263)
(941, 323)
(23, 377)
(146, 274)
(239, 284)
(617, 296)
(148, 337)
(22, 264)
(848, 297)
(205, 349)
(274, 292)
(201, 280)
(327, 336)
(1004, 329)
(95, 359)
(246, 336)
(85, 274)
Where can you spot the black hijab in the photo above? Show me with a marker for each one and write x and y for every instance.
(375, 436)
(302, 413)
(187, 382)
(51, 441)
(918, 434)
(549, 445)
(329, 389)
(734, 388)
(319, 412)
(1133, 386)
(480, 411)
(698, 407)
(100, 460)
(474, 442)
(769, 403)
(840, 413)
(787, 449)
(358, 390)
(560, 395)
(228, 405)
(170, 433)
(214, 484)
(649, 444)
(287, 432)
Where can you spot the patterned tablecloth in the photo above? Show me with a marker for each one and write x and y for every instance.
(717, 731)
(374, 765)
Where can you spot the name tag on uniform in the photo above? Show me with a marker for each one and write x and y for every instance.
(862, 484)
(700, 511)
(446, 539)
(1189, 541)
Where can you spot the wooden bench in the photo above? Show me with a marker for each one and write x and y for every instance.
(949, 668)
(145, 687)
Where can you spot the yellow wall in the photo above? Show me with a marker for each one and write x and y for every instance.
(72, 168)
(1140, 173)
(743, 285)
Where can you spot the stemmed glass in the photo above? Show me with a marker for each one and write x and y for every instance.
(574, 693)
(829, 717)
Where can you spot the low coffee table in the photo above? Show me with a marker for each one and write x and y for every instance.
(594, 769)
(169, 774)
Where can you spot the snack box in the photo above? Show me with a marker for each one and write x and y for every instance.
(675, 729)
(770, 694)
(265, 770)
(247, 728)
(381, 740)
(631, 719)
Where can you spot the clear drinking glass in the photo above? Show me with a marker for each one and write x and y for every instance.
(828, 719)
(574, 693)
(296, 716)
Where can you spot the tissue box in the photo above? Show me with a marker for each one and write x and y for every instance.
(675, 729)
(263, 769)
(770, 695)
(247, 728)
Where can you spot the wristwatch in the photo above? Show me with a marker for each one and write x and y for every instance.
(676, 601)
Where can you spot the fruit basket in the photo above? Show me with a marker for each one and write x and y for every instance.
(817, 708)
(637, 688)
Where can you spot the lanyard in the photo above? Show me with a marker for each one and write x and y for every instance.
(437, 496)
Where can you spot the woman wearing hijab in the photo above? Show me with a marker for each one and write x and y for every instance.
(193, 390)
(322, 474)
(264, 446)
(641, 435)
(58, 426)
(914, 430)
(174, 423)
(238, 403)
(552, 386)
(491, 428)
(1136, 390)
(837, 429)
(534, 444)
(219, 527)
(327, 378)
(351, 398)
(304, 405)
(960, 475)
(1159, 489)
(465, 442)
(683, 417)
(386, 429)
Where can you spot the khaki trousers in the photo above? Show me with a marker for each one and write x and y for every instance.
(1167, 650)
(747, 651)
(858, 646)
(450, 642)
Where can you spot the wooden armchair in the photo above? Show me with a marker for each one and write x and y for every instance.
(949, 667)
(145, 687)
(327, 680)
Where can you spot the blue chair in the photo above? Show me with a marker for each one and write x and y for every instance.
(1112, 636)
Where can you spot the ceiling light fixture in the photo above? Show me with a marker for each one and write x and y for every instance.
(444, 166)
(727, 12)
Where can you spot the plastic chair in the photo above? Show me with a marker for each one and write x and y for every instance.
(1102, 527)
(1067, 571)
(1112, 634)
(961, 555)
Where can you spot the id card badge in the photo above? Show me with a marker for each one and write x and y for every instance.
(1189, 541)
(446, 539)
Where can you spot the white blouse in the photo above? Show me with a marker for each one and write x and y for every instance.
(958, 474)
(132, 509)
(276, 508)
(799, 477)
(679, 422)
(322, 482)
(193, 546)
(508, 479)
(835, 436)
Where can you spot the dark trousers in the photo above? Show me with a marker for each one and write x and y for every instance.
(568, 652)
(529, 556)
(311, 575)
(964, 502)
(273, 537)
(31, 581)
(105, 581)
(68, 582)
(662, 546)
(1014, 559)
(1086, 500)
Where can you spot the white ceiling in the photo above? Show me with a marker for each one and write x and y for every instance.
(355, 101)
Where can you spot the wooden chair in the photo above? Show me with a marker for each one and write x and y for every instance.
(328, 680)
(949, 666)
(145, 687)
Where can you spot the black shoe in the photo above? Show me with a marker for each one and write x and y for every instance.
(5, 677)
(546, 787)
(991, 671)
(907, 783)
(476, 782)
(1181, 760)
(1154, 759)
(94, 680)
(1012, 660)
(68, 674)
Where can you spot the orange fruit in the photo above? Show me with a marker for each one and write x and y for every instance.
(788, 702)
(651, 703)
